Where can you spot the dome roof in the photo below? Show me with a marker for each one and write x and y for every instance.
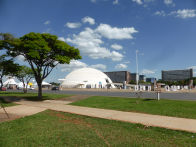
(86, 76)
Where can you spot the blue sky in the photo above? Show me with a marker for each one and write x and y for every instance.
(108, 32)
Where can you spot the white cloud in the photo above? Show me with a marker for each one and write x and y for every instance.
(116, 46)
(74, 64)
(121, 66)
(61, 38)
(138, 2)
(169, 2)
(48, 30)
(73, 25)
(20, 58)
(160, 13)
(143, 3)
(115, 33)
(185, 13)
(116, 56)
(88, 19)
(115, 2)
(47, 22)
(193, 67)
(89, 42)
(147, 71)
(99, 66)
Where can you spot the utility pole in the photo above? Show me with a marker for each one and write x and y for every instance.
(137, 74)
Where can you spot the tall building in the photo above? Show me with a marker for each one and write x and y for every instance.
(119, 76)
(141, 77)
(150, 80)
(133, 77)
(177, 75)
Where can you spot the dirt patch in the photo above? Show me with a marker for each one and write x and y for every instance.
(75, 98)
(70, 119)
(3, 117)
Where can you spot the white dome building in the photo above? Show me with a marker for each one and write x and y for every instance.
(86, 78)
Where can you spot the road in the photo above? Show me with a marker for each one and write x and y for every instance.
(121, 93)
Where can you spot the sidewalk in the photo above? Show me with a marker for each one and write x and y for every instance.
(145, 119)
(19, 111)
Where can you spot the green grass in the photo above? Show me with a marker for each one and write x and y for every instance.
(51, 128)
(33, 96)
(186, 109)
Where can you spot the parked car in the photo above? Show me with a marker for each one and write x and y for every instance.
(55, 88)
(31, 88)
(3, 89)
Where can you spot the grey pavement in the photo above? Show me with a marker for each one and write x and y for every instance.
(125, 93)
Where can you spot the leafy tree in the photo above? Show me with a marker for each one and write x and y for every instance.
(132, 82)
(43, 52)
(55, 84)
(143, 82)
(25, 74)
(4, 37)
(194, 81)
(7, 67)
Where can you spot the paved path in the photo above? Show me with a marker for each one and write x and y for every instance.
(145, 119)
(18, 112)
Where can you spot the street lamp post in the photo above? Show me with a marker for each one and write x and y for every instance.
(137, 74)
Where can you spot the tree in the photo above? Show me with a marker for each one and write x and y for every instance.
(194, 81)
(7, 67)
(25, 74)
(4, 37)
(43, 52)
(55, 84)
(132, 82)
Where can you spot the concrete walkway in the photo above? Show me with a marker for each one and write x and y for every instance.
(19, 111)
(145, 119)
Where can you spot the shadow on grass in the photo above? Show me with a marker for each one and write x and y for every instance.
(4, 101)
(149, 99)
(17, 96)
(10, 99)
(8, 93)
(35, 98)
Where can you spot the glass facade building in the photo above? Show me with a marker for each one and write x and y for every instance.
(119, 76)
(177, 75)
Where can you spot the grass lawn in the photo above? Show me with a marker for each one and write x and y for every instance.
(33, 96)
(51, 128)
(186, 109)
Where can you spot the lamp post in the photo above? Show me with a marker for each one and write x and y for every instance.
(137, 74)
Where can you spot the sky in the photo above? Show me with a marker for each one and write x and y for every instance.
(108, 32)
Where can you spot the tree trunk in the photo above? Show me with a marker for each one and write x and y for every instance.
(1, 81)
(39, 90)
(24, 88)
